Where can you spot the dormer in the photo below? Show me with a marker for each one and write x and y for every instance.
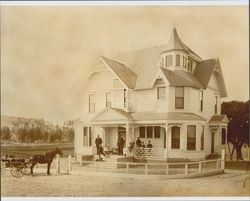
(177, 56)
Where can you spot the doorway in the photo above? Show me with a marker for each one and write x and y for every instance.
(122, 132)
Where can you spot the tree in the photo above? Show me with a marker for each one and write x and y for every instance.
(238, 127)
(5, 133)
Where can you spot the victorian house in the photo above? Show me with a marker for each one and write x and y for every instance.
(166, 94)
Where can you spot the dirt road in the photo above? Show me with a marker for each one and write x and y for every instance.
(85, 184)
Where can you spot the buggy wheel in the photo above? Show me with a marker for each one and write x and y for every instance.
(25, 171)
(16, 171)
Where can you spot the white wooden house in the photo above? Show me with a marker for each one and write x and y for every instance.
(166, 94)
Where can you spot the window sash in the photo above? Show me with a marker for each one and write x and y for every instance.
(91, 103)
(168, 60)
(157, 132)
(90, 137)
(108, 99)
(161, 91)
(191, 137)
(201, 100)
(149, 132)
(85, 136)
(178, 62)
(175, 138)
(142, 131)
(202, 137)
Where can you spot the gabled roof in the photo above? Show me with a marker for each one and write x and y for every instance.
(204, 70)
(126, 76)
(112, 114)
(219, 119)
(179, 78)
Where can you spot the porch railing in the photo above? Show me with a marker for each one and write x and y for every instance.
(149, 153)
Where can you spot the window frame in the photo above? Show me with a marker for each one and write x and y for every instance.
(158, 92)
(201, 97)
(179, 98)
(202, 137)
(176, 139)
(108, 103)
(91, 104)
(191, 147)
(179, 60)
(216, 104)
(144, 132)
(168, 61)
(157, 136)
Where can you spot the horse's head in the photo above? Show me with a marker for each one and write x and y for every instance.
(58, 151)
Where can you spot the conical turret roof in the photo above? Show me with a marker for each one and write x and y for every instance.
(175, 42)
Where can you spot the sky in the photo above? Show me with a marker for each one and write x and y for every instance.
(47, 50)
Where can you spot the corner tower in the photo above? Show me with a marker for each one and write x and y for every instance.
(177, 56)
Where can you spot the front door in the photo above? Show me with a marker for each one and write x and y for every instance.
(212, 143)
(121, 132)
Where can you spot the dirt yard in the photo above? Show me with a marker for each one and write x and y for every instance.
(84, 184)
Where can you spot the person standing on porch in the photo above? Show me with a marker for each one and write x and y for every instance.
(98, 143)
(121, 143)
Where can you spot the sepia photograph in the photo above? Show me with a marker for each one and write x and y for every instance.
(115, 100)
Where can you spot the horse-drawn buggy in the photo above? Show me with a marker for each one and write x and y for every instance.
(20, 166)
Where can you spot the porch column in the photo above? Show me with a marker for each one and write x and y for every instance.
(127, 135)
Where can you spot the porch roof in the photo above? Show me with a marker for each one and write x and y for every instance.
(219, 119)
(166, 116)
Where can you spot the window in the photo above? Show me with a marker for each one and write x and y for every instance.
(117, 84)
(223, 136)
(184, 62)
(179, 97)
(85, 136)
(149, 132)
(175, 140)
(201, 100)
(189, 65)
(191, 137)
(108, 99)
(169, 60)
(91, 103)
(202, 137)
(161, 92)
(178, 60)
(125, 97)
(90, 137)
(162, 61)
(215, 104)
(157, 131)
(142, 132)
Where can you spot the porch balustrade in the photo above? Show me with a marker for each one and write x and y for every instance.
(149, 153)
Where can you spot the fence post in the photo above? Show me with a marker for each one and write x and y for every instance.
(223, 159)
(200, 168)
(69, 165)
(146, 168)
(186, 169)
(57, 164)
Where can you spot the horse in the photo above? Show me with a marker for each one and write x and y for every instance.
(44, 158)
